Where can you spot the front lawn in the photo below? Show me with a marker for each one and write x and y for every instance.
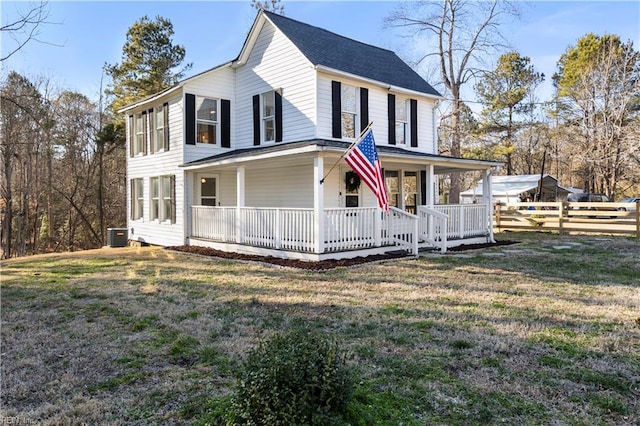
(546, 331)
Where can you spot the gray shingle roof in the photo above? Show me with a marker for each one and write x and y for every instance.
(325, 48)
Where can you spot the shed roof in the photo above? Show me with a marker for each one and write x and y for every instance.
(442, 164)
(514, 185)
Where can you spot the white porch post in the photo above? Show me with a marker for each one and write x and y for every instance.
(187, 178)
(239, 202)
(488, 199)
(429, 202)
(318, 204)
(430, 185)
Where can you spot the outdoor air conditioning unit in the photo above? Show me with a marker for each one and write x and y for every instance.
(117, 237)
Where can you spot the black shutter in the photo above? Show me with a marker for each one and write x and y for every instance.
(391, 113)
(364, 108)
(278, 117)
(423, 186)
(172, 185)
(190, 119)
(145, 129)
(165, 110)
(225, 116)
(413, 106)
(256, 119)
(336, 109)
(152, 132)
(132, 136)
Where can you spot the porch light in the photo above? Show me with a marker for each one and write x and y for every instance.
(203, 180)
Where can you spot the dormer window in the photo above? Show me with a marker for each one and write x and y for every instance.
(349, 111)
(206, 120)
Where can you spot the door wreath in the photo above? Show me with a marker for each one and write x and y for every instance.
(352, 181)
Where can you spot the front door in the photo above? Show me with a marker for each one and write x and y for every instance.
(208, 190)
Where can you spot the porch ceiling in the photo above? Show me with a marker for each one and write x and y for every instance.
(388, 155)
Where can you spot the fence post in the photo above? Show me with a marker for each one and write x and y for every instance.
(560, 217)
(461, 220)
(637, 219)
(497, 209)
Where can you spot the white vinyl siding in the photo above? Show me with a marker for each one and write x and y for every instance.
(275, 63)
(215, 84)
(162, 163)
(290, 186)
(378, 113)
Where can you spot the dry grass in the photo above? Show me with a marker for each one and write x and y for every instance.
(526, 333)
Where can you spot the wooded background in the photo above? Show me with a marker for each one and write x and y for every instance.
(63, 156)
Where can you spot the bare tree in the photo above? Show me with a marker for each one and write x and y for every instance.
(464, 31)
(598, 81)
(274, 6)
(25, 27)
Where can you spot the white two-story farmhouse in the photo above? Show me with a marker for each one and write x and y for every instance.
(245, 157)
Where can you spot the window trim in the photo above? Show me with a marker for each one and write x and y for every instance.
(139, 133)
(402, 121)
(355, 113)
(137, 199)
(158, 197)
(266, 118)
(199, 186)
(159, 132)
(215, 123)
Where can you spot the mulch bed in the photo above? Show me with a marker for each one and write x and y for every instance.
(292, 263)
(315, 266)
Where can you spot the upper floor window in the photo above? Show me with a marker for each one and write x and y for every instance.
(160, 133)
(139, 130)
(401, 121)
(268, 116)
(206, 120)
(349, 111)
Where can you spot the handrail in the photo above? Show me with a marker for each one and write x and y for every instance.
(430, 234)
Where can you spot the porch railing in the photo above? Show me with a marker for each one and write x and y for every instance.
(401, 229)
(351, 228)
(213, 223)
(280, 228)
(293, 229)
(433, 227)
(465, 220)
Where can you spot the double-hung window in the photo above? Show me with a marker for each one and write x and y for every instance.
(349, 111)
(162, 199)
(206, 120)
(137, 199)
(268, 116)
(139, 133)
(401, 121)
(159, 131)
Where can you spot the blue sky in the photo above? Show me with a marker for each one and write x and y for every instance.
(86, 34)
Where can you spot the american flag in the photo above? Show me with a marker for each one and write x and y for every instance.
(363, 159)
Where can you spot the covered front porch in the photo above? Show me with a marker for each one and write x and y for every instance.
(347, 232)
(339, 221)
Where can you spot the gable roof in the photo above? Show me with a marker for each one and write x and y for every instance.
(324, 48)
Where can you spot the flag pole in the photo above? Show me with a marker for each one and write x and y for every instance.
(348, 149)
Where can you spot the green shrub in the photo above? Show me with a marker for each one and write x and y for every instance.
(293, 379)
